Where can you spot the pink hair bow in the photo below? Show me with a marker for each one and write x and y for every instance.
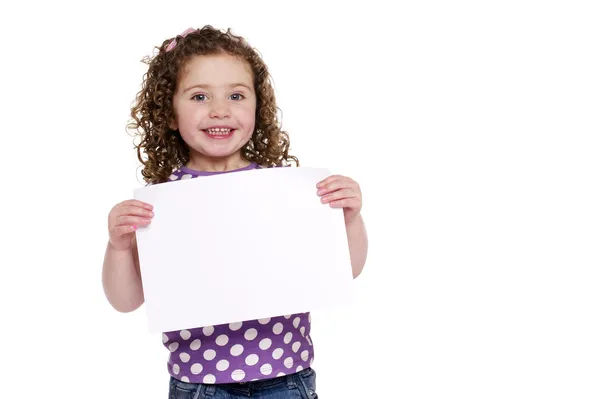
(171, 45)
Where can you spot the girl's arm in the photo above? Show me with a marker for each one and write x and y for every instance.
(343, 192)
(358, 243)
(121, 278)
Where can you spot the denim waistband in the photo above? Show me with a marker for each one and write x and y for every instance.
(246, 388)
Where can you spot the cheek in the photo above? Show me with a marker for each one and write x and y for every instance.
(186, 116)
(249, 116)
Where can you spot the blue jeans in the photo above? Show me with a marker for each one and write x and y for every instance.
(301, 385)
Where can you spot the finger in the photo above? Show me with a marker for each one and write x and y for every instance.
(137, 203)
(135, 211)
(131, 220)
(128, 210)
(327, 180)
(336, 184)
(338, 195)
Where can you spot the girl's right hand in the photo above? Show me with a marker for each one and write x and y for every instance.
(124, 219)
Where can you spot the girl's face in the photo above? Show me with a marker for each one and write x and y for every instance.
(215, 106)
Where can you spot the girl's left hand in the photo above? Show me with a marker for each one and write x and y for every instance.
(341, 192)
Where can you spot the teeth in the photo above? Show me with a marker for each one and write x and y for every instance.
(220, 131)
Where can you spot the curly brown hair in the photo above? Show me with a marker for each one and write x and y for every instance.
(164, 148)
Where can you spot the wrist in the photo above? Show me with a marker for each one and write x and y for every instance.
(352, 220)
(116, 249)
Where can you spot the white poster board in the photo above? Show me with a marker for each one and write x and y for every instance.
(241, 246)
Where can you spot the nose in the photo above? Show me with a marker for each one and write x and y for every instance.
(219, 109)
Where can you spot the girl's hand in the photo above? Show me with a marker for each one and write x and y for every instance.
(124, 219)
(341, 192)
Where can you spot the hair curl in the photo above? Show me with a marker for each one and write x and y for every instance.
(164, 148)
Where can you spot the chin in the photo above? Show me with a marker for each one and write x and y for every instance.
(219, 153)
(219, 148)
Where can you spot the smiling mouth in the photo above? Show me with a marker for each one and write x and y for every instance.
(219, 133)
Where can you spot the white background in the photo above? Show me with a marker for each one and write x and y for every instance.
(472, 128)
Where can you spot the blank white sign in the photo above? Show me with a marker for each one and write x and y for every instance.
(241, 246)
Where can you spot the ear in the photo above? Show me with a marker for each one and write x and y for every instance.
(173, 124)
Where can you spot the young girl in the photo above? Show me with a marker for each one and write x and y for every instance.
(207, 107)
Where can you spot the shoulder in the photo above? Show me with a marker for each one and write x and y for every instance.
(180, 174)
(177, 174)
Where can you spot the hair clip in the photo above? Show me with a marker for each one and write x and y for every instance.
(173, 43)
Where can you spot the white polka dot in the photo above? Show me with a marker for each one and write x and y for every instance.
(277, 353)
(176, 369)
(304, 355)
(165, 338)
(254, 379)
(185, 334)
(264, 321)
(302, 329)
(173, 347)
(309, 318)
(235, 326)
(296, 346)
(210, 354)
(308, 339)
(222, 340)
(288, 362)
(287, 316)
(238, 375)
(185, 379)
(208, 331)
(251, 360)
(196, 368)
(277, 328)
(266, 369)
(265, 343)
(184, 357)
(296, 322)
(250, 334)
(186, 176)
(236, 350)
(311, 360)
(173, 177)
(288, 338)
(209, 379)
(299, 368)
(195, 345)
(280, 374)
(222, 365)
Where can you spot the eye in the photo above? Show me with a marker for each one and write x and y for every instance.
(199, 97)
(239, 96)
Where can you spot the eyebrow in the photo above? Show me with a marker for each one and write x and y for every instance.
(207, 86)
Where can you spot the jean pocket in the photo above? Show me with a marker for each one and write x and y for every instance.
(183, 390)
(308, 377)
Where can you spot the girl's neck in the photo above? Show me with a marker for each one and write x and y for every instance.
(224, 164)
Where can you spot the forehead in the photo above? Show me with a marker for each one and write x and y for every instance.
(218, 69)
